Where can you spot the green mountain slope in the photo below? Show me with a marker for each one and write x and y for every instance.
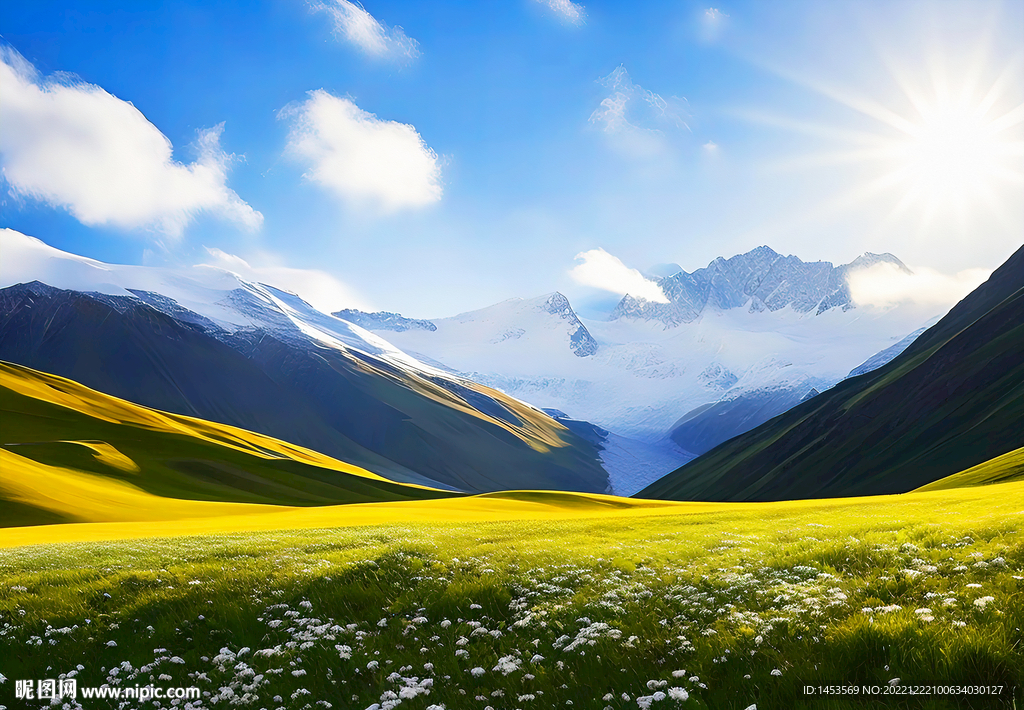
(952, 400)
(69, 453)
(1002, 469)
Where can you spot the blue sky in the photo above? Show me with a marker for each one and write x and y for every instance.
(432, 158)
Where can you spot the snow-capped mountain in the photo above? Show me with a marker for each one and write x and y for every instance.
(643, 375)
(383, 320)
(752, 335)
(759, 280)
(204, 342)
(203, 295)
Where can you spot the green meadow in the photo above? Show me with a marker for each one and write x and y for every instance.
(726, 607)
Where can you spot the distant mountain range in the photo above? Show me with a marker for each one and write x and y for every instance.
(206, 343)
(742, 341)
(953, 399)
(383, 320)
(760, 280)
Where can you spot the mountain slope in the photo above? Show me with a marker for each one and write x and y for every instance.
(881, 358)
(953, 399)
(207, 343)
(709, 425)
(1002, 469)
(70, 453)
(408, 425)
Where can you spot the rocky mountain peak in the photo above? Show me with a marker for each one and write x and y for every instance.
(760, 280)
(581, 342)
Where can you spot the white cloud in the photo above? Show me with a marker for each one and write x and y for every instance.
(604, 271)
(362, 29)
(634, 118)
(315, 287)
(75, 146)
(885, 285)
(360, 157)
(712, 23)
(567, 10)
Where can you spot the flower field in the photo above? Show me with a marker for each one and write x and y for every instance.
(729, 608)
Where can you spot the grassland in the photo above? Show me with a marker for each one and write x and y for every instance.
(620, 606)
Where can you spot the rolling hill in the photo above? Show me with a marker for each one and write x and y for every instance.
(952, 400)
(72, 454)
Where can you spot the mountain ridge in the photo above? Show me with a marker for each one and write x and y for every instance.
(761, 279)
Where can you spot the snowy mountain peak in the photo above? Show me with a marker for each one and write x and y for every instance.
(759, 280)
(384, 320)
(581, 342)
(869, 259)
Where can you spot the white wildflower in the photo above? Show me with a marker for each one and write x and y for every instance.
(507, 665)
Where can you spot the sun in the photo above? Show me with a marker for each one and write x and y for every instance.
(929, 145)
(954, 151)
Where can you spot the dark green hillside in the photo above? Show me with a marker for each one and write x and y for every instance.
(952, 400)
